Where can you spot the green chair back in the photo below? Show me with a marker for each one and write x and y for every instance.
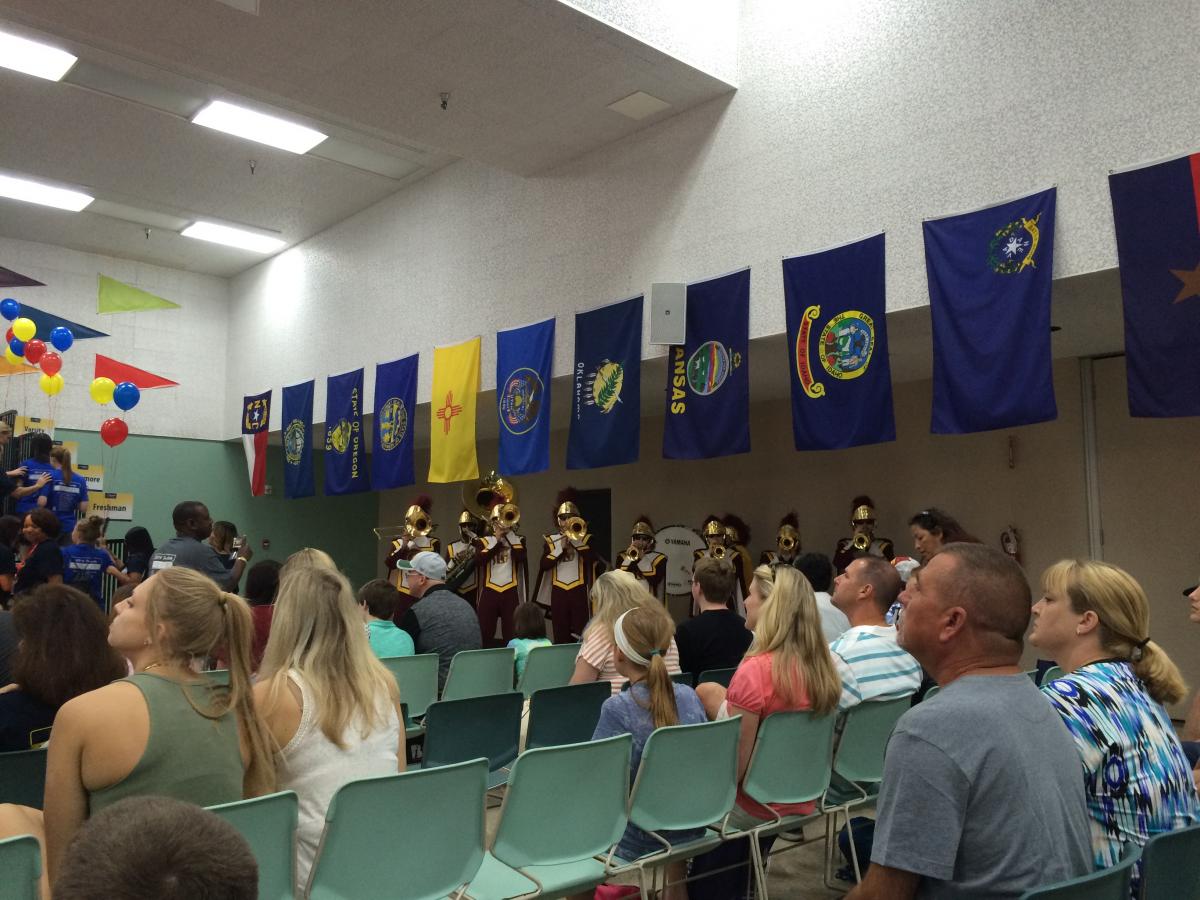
(792, 758)
(418, 834)
(720, 676)
(1169, 865)
(417, 679)
(548, 667)
(460, 730)
(864, 739)
(932, 692)
(23, 777)
(1051, 674)
(21, 863)
(687, 777)
(683, 678)
(565, 715)
(1107, 884)
(218, 676)
(269, 826)
(478, 673)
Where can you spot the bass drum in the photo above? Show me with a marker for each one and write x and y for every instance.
(678, 543)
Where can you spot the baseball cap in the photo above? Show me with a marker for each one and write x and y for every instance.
(427, 563)
(1189, 591)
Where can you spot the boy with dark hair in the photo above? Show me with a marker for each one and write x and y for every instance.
(378, 601)
(717, 637)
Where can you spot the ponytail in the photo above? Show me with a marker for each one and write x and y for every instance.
(644, 636)
(1158, 673)
(62, 456)
(239, 631)
(662, 693)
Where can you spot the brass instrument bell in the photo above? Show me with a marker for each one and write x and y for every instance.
(575, 528)
(862, 541)
(632, 554)
(787, 543)
(480, 497)
(417, 522)
(507, 514)
(719, 552)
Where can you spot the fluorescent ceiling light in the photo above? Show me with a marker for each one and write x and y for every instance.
(34, 57)
(36, 192)
(256, 126)
(233, 237)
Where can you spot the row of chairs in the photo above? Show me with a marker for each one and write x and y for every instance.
(1051, 674)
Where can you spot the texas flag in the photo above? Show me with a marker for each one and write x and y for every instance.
(256, 415)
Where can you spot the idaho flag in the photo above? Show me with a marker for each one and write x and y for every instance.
(606, 406)
(395, 405)
(345, 449)
(837, 347)
(1157, 213)
(297, 441)
(989, 293)
(708, 377)
(452, 411)
(524, 359)
(256, 417)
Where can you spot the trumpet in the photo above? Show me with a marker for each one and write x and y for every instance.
(861, 541)
(576, 528)
(417, 523)
(787, 543)
(633, 554)
(506, 514)
(719, 552)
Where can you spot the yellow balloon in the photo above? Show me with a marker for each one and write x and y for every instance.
(24, 329)
(51, 384)
(102, 390)
(12, 358)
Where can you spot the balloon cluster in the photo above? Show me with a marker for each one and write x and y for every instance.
(125, 395)
(22, 346)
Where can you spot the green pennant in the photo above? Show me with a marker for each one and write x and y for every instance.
(117, 297)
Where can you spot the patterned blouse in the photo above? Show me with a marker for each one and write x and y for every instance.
(1137, 779)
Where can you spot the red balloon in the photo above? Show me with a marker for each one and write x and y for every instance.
(51, 362)
(9, 336)
(114, 432)
(34, 350)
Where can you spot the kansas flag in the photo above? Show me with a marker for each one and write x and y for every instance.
(345, 444)
(837, 347)
(297, 441)
(606, 403)
(524, 359)
(256, 417)
(452, 411)
(395, 404)
(708, 377)
(989, 293)
(1157, 213)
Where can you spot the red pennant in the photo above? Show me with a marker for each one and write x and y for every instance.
(119, 371)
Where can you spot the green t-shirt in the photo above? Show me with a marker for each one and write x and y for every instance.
(388, 640)
(522, 646)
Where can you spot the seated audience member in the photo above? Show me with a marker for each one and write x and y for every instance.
(63, 652)
(440, 621)
(189, 548)
(788, 667)
(377, 600)
(614, 593)
(157, 847)
(1191, 725)
(932, 529)
(10, 530)
(642, 637)
(262, 583)
(981, 794)
(139, 547)
(8, 645)
(66, 495)
(309, 556)
(85, 563)
(43, 564)
(817, 568)
(717, 638)
(869, 662)
(222, 540)
(1094, 621)
(529, 631)
(39, 471)
(333, 710)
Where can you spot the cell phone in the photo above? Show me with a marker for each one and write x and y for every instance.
(237, 544)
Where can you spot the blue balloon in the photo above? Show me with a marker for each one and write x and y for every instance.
(10, 308)
(61, 338)
(126, 395)
(17, 346)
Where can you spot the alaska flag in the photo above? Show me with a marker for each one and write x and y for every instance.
(989, 293)
(395, 404)
(708, 377)
(837, 347)
(345, 450)
(524, 359)
(606, 406)
(297, 441)
(1157, 213)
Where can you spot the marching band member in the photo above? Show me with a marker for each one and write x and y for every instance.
(470, 527)
(737, 534)
(862, 540)
(643, 561)
(417, 536)
(787, 543)
(503, 574)
(566, 572)
(717, 539)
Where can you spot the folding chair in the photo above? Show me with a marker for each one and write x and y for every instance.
(565, 715)
(1169, 869)
(23, 777)
(720, 676)
(1052, 673)
(417, 679)
(269, 826)
(21, 863)
(478, 673)
(218, 677)
(1107, 884)
(459, 730)
(548, 667)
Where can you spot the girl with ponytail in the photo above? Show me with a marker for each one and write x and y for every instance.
(1094, 621)
(66, 495)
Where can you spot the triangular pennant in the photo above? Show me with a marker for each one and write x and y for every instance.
(47, 322)
(116, 296)
(7, 368)
(9, 278)
(119, 371)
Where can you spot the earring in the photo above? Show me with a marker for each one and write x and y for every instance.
(146, 642)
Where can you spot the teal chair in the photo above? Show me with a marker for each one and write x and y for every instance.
(565, 715)
(459, 730)
(23, 777)
(478, 673)
(417, 679)
(548, 667)
(1169, 865)
(1107, 884)
(21, 863)
(417, 835)
(720, 676)
(932, 692)
(218, 677)
(269, 826)
(1052, 673)
(683, 678)
(564, 807)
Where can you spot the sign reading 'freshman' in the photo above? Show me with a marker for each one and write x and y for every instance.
(118, 507)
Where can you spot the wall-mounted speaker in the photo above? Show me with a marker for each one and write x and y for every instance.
(668, 313)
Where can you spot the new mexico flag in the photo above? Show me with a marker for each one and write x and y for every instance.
(452, 412)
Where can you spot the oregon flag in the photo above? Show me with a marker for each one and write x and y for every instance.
(452, 412)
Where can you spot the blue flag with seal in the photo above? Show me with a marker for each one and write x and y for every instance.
(345, 450)
(989, 295)
(837, 347)
(395, 403)
(297, 441)
(708, 376)
(1157, 213)
(524, 361)
(606, 404)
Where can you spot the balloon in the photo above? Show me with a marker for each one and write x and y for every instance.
(9, 308)
(17, 346)
(51, 384)
(114, 431)
(24, 329)
(34, 351)
(126, 396)
(102, 391)
(9, 336)
(11, 358)
(51, 362)
(62, 338)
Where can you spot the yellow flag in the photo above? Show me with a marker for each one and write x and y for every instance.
(452, 412)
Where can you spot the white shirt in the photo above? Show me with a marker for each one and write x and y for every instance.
(833, 621)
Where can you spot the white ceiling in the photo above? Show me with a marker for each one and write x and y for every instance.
(529, 84)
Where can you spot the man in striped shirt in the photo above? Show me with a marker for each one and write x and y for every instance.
(870, 662)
